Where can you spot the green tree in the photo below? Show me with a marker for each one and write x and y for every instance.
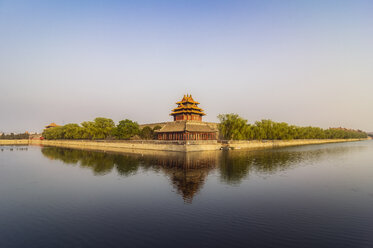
(232, 126)
(72, 131)
(88, 130)
(126, 129)
(100, 128)
(53, 133)
(103, 128)
(146, 133)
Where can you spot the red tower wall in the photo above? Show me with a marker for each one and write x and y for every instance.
(183, 117)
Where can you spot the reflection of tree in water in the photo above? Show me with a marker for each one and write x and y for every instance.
(186, 171)
(236, 165)
(101, 163)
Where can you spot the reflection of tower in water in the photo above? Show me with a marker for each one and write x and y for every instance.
(187, 182)
(188, 171)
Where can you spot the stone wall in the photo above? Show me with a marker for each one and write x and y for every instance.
(257, 144)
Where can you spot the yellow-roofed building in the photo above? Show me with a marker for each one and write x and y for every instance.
(52, 125)
(187, 124)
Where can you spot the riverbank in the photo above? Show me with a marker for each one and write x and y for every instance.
(176, 146)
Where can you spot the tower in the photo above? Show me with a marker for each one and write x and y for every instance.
(187, 109)
(187, 124)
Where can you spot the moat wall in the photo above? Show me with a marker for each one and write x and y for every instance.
(177, 146)
(264, 144)
(14, 142)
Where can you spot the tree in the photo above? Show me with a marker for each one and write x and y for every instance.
(126, 129)
(146, 133)
(103, 128)
(100, 128)
(232, 126)
(88, 130)
(72, 131)
(54, 133)
(14, 136)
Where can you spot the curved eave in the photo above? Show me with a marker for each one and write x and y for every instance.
(187, 112)
(187, 109)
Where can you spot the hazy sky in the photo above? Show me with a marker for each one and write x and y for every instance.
(302, 62)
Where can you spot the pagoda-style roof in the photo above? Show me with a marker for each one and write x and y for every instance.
(187, 99)
(187, 106)
(52, 125)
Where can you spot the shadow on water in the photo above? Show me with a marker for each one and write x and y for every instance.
(188, 171)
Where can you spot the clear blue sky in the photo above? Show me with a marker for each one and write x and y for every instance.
(302, 62)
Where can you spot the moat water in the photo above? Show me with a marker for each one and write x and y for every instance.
(308, 196)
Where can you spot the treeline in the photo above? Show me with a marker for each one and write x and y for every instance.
(100, 129)
(233, 127)
(15, 136)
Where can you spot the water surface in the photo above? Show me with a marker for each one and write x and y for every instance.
(309, 196)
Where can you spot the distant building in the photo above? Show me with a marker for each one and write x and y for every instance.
(52, 125)
(187, 124)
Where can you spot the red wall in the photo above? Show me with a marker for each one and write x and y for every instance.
(183, 117)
